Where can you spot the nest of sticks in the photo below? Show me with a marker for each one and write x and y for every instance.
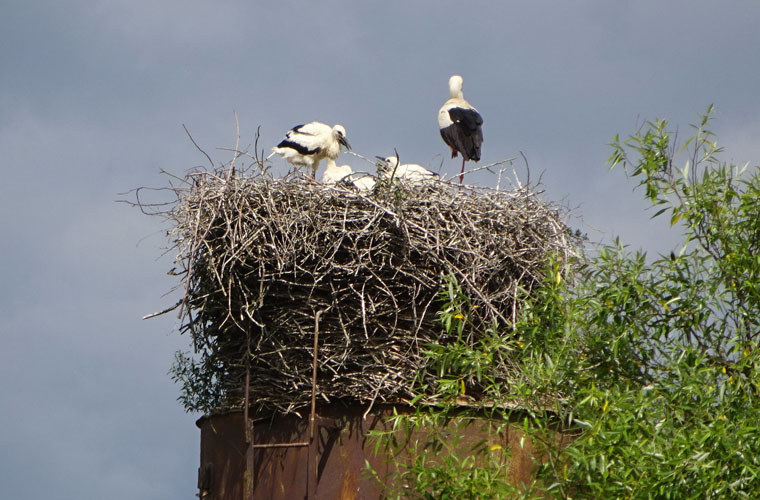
(267, 264)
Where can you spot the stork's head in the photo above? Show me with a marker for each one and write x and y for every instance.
(455, 86)
(339, 132)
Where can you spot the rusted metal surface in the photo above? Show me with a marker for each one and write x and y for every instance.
(332, 468)
(249, 476)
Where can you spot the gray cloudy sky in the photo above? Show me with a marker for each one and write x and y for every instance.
(92, 98)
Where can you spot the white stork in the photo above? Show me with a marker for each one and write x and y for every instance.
(306, 145)
(460, 125)
(344, 174)
(362, 181)
(389, 168)
(334, 174)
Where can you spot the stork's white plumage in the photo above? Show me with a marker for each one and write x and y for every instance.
(362, 181)
(344, 174)
(460, 125)
(306, 145)
(389, 167)
(333, 174)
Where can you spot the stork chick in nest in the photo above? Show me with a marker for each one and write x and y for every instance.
(344, 174)
(389, 168)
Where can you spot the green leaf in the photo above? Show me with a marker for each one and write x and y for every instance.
(675, 217)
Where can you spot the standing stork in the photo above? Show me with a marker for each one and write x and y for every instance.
(306, 145)
(460, 125)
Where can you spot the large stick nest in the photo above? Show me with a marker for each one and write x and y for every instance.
(261, 257)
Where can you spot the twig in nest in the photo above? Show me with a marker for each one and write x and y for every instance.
(197, 146)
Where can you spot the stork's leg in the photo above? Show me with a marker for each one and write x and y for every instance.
(461, 172)
(314, 168)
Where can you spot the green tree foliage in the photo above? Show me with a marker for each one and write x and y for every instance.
(652, 362)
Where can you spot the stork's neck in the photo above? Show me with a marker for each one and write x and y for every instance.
(455, 90)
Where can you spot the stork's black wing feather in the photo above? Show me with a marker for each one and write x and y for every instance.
(298, 147)
(467, 118)
(464, 135)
